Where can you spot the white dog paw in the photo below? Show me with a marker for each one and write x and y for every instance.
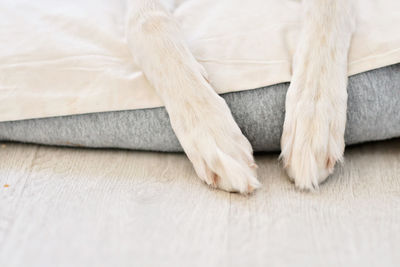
(313, 133)
(225, 169)
(221, 155)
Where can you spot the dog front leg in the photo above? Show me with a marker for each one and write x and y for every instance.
(219, 152)
(313, 133)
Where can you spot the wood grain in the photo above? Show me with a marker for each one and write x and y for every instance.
(87, 207)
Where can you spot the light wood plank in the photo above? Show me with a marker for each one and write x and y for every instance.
(88, 207)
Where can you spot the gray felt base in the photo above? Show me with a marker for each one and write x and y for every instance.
(373, 114)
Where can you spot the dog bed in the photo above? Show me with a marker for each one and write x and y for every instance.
(70, 57)
(67, 76)
(373, 114)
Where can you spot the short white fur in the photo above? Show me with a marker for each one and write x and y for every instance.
(312, 139)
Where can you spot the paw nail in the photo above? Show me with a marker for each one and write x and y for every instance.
(250, 189)
(215, 180)
(253, 166)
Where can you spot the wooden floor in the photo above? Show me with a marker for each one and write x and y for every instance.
(84, 207)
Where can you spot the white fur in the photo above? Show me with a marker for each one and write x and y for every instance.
(312, 139)
(203, 123)
(313, 133)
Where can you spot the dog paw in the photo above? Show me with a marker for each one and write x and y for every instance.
(313, 132)
(221, 155)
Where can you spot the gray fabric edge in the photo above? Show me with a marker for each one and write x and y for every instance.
(373, 114)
